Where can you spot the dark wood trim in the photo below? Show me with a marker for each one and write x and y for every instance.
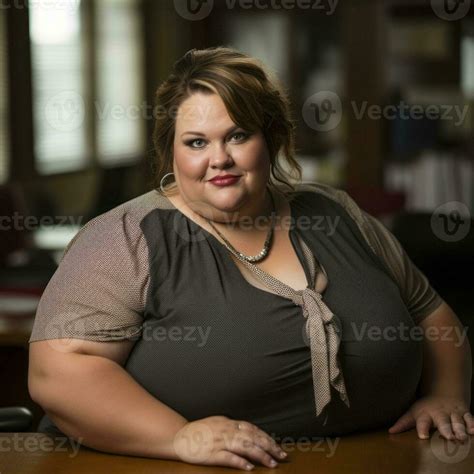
(20, 106)
(88, 39)
(364, 46)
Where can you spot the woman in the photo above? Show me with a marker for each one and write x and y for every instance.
(230, 307)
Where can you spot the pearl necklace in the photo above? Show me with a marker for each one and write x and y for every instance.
(266, 246)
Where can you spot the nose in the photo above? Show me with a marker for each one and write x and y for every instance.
(221, 157)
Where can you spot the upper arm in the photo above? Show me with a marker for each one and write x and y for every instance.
(47, 353)
(442, 317)
(62, 359)
(419, 296)
(94, 303)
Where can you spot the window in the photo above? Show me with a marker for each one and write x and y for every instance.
(263, 36)
(467, 59)
(119, 107)
(58, 80)
(72, 126)
(4, 147)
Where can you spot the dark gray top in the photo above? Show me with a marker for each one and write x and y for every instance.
(210, 343)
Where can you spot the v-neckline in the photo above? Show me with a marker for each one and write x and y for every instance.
(291, 232)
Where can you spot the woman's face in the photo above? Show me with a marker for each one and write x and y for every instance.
(207, 143)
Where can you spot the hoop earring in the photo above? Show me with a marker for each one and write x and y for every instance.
(161, 182)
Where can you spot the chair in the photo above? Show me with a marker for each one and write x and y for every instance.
(15, 419)
(376, 200)
(12, 237)
(21, 263)
(111, 191)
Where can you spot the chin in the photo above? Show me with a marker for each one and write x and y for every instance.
(227, 204)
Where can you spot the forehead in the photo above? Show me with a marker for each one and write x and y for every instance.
(202, 111)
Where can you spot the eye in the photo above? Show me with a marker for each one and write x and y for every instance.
(241, 136)
(192, 143)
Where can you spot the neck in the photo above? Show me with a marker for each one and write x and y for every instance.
(258, 222)
(251, 222)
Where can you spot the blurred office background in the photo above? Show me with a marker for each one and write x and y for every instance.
(77, 83)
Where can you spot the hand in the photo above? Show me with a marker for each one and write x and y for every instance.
(449, 414)
(218, 441)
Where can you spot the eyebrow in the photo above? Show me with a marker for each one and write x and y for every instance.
(200, 134)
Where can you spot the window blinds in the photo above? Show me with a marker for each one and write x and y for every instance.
(120, 111)
(58, 85)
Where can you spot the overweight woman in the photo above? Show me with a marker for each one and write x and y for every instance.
(232, 305)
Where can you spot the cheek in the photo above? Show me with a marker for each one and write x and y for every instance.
(253, 157)
(188, 163)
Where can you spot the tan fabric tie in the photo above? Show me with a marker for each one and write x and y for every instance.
(323, 329)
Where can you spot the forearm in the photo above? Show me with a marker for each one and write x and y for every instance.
(98, 403)
(447, 363)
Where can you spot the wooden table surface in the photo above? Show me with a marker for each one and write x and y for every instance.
(376, 452)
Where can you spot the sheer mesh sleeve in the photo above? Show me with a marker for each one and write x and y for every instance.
(99, 288)
(419, 296)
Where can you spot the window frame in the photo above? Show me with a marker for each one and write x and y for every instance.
(21, 101)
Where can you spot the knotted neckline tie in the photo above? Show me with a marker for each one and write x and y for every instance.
(323, 328)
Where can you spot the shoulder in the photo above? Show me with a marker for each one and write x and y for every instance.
(119, 226)
(336, 195)
(339, 197)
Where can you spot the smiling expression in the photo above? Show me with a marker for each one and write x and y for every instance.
(207, 143)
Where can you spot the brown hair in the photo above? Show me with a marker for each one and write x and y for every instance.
(253, 97)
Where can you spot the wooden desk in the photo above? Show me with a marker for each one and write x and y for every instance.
(16, 331)
(376, 452)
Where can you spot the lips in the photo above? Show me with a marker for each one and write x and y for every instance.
(224, 177)
(225, 180)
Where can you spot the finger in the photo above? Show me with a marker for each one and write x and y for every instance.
(228, 459)
(458, 426)
(423, 426)
(404, 423)
(266, 442)
(244, 446)
(262, 439)
(469, 419)
(443, 423)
